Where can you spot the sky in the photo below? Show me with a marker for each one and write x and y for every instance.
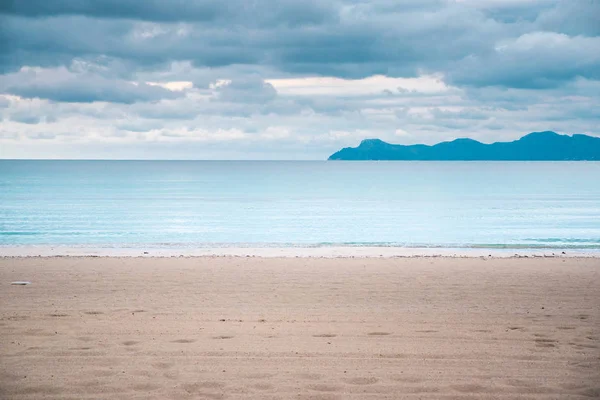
(289, 79)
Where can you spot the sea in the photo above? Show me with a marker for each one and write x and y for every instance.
(186, 206)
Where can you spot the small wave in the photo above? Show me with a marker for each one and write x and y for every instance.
(16, 233)
(533, 246)
(543, 244)
(564, 240)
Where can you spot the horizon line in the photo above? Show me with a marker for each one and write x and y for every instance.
(151, 159)
(282, 160)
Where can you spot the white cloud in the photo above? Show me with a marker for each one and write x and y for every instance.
(373, 85)
(175, 86)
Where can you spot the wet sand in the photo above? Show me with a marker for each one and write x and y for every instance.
(299, 328)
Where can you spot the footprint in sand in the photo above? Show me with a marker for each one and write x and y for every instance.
(37, 332)
(171, 375)
(163, 365)
(200, 389)
(516, 328)
(539, 340)
(584, 346)
(102, 373)
(320, 396)
(406, 379)
(206, 385)
(591, 392)
(263, 386)
(145, 387)
(393, 355)
(310, 376)
(362, 380)
(259, 375)
(545, 342)
(25, 317)
(470, 388)
(45, 390)
(323, 387)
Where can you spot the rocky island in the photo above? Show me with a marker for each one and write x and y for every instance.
(536, 146)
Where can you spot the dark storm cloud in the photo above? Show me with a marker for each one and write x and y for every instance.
(514, 11)
(259, 12)
(338, 38)
(246, 90)
(323, 37)
(25, 118)
(536, 60)
(573, 17)
(155, 10)
(63, 85)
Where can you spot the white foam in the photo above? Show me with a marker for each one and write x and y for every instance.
(323, 252)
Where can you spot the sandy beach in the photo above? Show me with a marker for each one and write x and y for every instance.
(299, 328)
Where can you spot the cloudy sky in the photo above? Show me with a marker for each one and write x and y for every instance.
(289, 79)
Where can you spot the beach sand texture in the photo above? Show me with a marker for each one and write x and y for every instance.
(300, 328)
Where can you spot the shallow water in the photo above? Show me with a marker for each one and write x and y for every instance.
(190, 204)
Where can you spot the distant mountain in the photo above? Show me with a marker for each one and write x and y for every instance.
(537, 146)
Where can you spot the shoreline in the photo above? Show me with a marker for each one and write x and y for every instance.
(293, 252)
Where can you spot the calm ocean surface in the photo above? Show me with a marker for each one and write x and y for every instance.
(185, 204)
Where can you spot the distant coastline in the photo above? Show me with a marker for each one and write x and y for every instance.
(536, 146)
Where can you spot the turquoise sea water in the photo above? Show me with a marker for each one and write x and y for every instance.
(186, 204)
